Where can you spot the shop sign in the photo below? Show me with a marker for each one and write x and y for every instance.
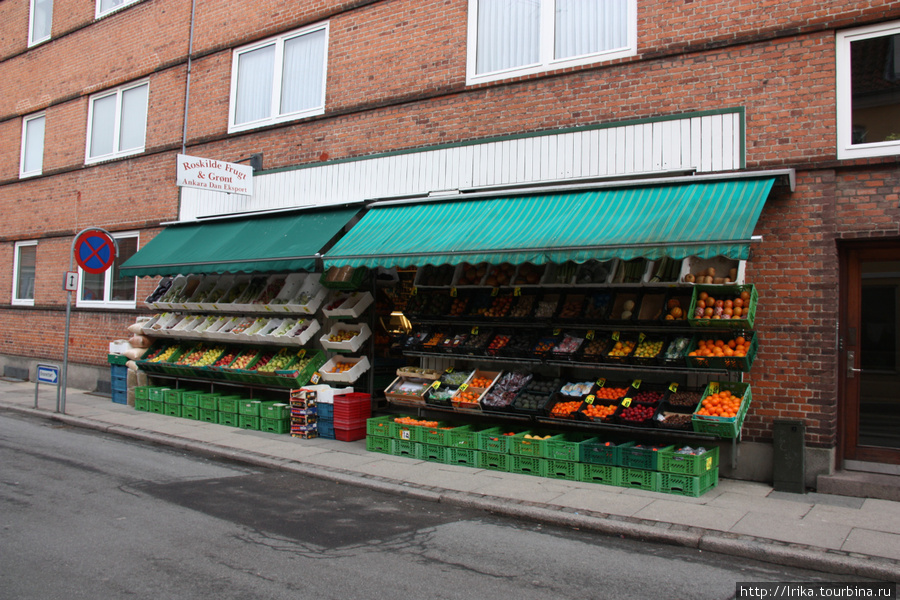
(214, 175)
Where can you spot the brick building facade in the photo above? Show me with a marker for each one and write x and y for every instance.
(399, 78)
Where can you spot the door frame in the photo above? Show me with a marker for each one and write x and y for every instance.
(850, 255)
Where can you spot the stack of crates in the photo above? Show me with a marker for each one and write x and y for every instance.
(228, 410)
(304, 414)
(326, 420)
(118, 378)
(350, 413)
(275, 417)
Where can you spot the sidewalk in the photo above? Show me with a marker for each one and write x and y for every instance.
(837, 534)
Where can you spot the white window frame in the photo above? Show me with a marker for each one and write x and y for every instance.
(274, 118)
(846, 149)
(25, 122)
(546, 61)
(33, 41)
(116, 153)
(123, 3)
(107, 281)
(22, 301)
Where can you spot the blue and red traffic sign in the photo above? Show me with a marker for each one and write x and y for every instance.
(95, 251)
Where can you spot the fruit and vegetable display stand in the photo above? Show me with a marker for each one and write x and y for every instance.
(639, 348)
(266, 335)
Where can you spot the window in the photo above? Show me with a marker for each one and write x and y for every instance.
(278, 80)
(107, 289)
(24, 263)
(104, 7)
(510, 38)
(868, 91)
(32, 159)
(39, 22)
(117, 123)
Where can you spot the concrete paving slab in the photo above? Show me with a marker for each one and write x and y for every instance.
(877, 543)
(521, 487)
(791, 530)
(339, 460)
(605, 499)
(694, 515)
(760, 504)
(874, 520)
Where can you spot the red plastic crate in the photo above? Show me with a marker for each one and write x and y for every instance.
(346, 413)
(350, 435)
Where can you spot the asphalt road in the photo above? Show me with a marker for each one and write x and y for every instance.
(87, 515)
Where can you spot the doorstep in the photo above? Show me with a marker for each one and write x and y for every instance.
(860, 484)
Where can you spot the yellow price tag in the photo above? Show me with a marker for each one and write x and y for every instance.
(415, 291)
(556, 332)
(494, 291)
(302, 353)
(463, 387)
(517, 291)
(590, 399)
(626, 402)
(404, 434)
(315, 378)
(641, 337)
(713, 388)
(673, 387)
(615, 336)
(589, 335)
(636, 384)
(435, 385)
(601, 382)
(475, 330)
(709, 463)
(449, 370)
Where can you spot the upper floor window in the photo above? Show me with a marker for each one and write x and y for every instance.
(107, 289)
(104, 7)
(279, 79)
(31, 161)
(39, 21)
(24, 263)
(117, 122)
(510, 38)
(868, 91)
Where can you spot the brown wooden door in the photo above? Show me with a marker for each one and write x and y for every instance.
(870, 353)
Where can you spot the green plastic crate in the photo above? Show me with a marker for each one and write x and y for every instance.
(227, 418)
(377, 443)
(249, 408)
(495, 461)
(248, 422)
(494, 440)
(157, 393)
(461, 456)
(172, 396)
(523, 446)
(432, 453)
(724, 427)
(209, 416)
(141, 404)
(190, 398)
(688, 485)
(688, 464)
(380, 426)
(142, 392)
(720, 363)
(561, 469)
(467, 436)
(567, 446)
(116, 359)
(275, 410)
(723, 292)
(602, 453)
(641, 457)
(209, 401)
(229, 404)
(274, 425)
(604, 474)
(157, 406)
(173, 410)
(640, 479)
(190, 412)
(438, 436)
(528, 465)
(403, 448)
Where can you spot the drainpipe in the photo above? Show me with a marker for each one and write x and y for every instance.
(187, 84)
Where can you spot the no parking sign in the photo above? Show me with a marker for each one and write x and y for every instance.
(95, 250)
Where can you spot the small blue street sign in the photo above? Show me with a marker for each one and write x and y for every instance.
(48, 374)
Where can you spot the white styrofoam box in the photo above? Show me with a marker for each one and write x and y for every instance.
(618, 277)
(119, 346)
(312, 291)
(212, 332)
(557, 275)
(264, 333)
(226, 332)
(238, 285)
(353, 306)
(696, 265)
(360, 366)
(164, 324)
(590, 269)
(273, 287)
(222, 284)
(203, 326)
(302, 336)
(652, 266)
(325, 393)
(166, 302)
(353, 344)
(190, 286)
(207, 283)
(187, 324)
(244, 302)
(291, 288)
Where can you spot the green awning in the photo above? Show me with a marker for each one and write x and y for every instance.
(283, 242)
(703, 219)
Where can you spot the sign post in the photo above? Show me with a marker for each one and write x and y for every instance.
(94, 250)
(48, 374)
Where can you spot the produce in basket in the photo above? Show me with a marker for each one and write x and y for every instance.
(708, 307)
(600, 411)
(685, 399)
(738, 346)
(721, 404)
(506, 389)
(565, 409)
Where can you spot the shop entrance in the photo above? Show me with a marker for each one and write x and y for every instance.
(870, 352)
